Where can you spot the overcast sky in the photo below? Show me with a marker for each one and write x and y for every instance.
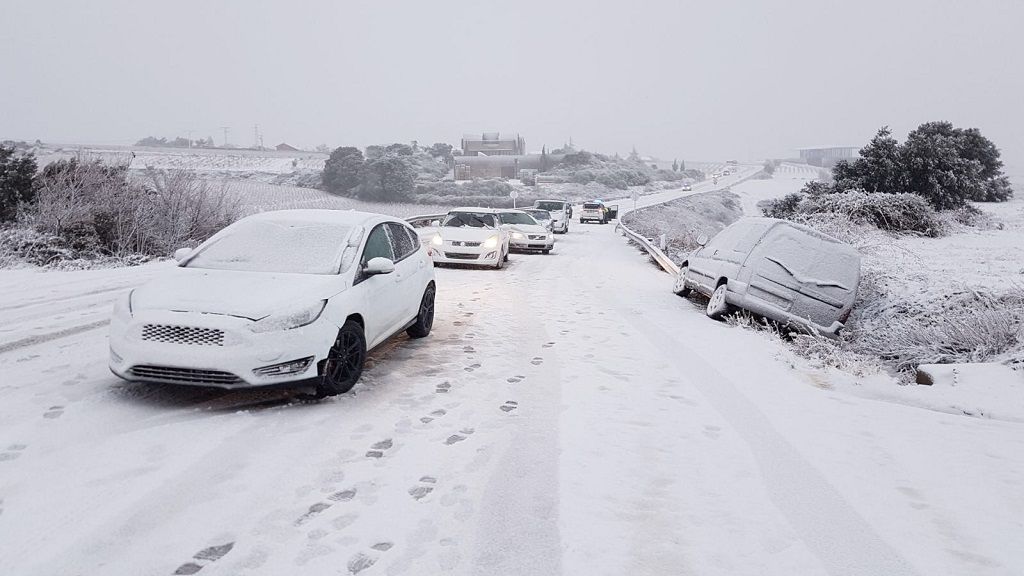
(695, 79)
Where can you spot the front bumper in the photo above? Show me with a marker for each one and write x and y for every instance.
(215, 350)
(529, 243)
(450, 253)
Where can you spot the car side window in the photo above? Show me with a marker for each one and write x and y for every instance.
(378, 245)
(401, 244)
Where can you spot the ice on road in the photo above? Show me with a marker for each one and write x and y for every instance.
(568, 415)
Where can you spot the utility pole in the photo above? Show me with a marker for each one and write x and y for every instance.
(225, 129)
(257, 141)
(189, 134)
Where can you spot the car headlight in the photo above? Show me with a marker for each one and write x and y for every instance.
(437, 240)
(491, 242)
(290, 319)
(518, 235)
(123, 308)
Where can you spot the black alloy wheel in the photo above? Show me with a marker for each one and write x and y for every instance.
(425, 318)
(344, 363)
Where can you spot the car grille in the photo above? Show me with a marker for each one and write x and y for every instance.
(183, 335)
(185, 375)
(536, 236)
(459, 256)
(467, 244)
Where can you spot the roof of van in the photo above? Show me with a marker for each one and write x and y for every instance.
(778, 221)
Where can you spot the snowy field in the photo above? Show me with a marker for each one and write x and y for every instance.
(197, 159)
(568, 415)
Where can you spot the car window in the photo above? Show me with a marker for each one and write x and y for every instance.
(401, 244)
(378, 245)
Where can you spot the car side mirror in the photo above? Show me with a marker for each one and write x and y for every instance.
(702, 240)
(181, 253)
(379, 265)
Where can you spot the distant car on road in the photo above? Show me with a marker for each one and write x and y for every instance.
(596, 211)
(686, 188)
(525, 232)
(287, 298)
(472, 236)
(777, 269)
(561, 213)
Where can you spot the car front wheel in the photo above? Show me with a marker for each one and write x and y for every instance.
(344, 362)
(680, 287)
(425, 318)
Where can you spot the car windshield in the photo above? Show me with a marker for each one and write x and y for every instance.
(275, 246)
(470, 219)
(540, 214)
(516, 218)
(551, 205)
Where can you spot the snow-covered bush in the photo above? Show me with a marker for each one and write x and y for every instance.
(904, 213)
(967, 326)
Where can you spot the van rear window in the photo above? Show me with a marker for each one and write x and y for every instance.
(592, 206)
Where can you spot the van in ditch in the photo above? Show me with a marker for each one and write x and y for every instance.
(777, 269)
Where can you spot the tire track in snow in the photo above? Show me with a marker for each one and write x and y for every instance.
(829, 526)
(49, 337)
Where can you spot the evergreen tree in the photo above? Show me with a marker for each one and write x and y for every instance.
(343, 171)
(16, 181)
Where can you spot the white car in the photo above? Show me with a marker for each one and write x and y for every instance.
(295, 298)
(561, 213)
(526, 233)
(543, 217)
(471, 236)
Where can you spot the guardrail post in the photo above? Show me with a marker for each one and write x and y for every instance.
(661, 242)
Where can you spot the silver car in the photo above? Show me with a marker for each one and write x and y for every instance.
(777, 269)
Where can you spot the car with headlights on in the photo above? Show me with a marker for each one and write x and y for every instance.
(290, 298)
(472, 236)
(526, 234)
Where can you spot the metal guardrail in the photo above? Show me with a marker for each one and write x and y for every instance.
(656, 253)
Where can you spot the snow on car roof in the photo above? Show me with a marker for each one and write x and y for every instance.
(475, 209)
(344, 217)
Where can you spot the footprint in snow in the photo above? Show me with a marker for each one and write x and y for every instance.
(379, 448)
(13, 451)
(509, 405)
(435, 414)
(469, 349)
(712, 431)
(548, 345)
(471, 367)
(206, 555)
(360, 562)
(425, 487)
(313, 511)
(54, 412)
(537, 361)
(514, 380)
(443, 388)
(343, 496)
(456, 438)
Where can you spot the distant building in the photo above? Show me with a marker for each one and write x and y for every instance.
(282, 147)
(493, 144)
(826, 156)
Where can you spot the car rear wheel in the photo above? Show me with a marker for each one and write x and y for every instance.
(344, 362)
(425, 318)
(717, 305)
(680, 287)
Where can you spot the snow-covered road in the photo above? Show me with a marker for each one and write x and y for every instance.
(568, 415)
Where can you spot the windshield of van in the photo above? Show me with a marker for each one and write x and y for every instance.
(469, 219)
(551, 205)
